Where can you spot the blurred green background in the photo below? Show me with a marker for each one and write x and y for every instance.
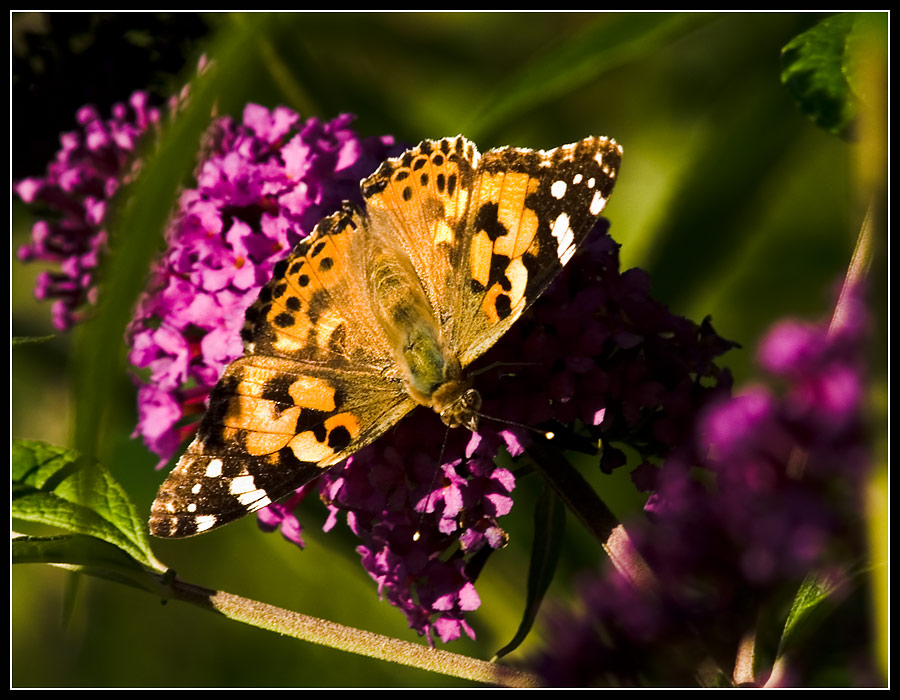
(736, 204)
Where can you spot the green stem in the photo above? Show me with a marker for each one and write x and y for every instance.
(349, 639)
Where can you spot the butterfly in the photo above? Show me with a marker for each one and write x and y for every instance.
(380, 310)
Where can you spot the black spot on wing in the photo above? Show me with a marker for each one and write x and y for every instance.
(487, 220)
(213, 423)
(277, 389)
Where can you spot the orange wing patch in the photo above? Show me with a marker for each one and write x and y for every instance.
(298, 306)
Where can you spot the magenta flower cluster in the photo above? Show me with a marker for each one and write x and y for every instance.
(72, 198)
(263, 185)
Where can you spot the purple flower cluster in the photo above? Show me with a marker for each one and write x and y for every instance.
(263, 185)
(92, 164)
(777, 461)
(779, 499)
(421, 525)
(589, 332)
(623, 637)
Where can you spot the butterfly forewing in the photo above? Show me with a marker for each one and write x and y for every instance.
(530, 210)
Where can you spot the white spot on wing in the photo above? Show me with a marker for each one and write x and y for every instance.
(255, 499)
(241, 484)
(214, 468)
(578, 178)
(565, 236)
(204, 522)
(597, 203)
(243, 488)
(558, 189)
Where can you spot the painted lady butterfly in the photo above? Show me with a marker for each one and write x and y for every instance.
(381, 310)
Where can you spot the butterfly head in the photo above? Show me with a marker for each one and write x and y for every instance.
(457, 403)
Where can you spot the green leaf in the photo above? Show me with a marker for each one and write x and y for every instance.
(812, 603)
(87, 555)
(549, 527)
(815, 68)
(59, 487)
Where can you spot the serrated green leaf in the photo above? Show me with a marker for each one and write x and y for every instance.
(59, 487)
(87, 555)
(549, 527)
(813, 69)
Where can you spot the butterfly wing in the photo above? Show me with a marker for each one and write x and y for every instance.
(313, 387)
(529, 211)
(483, 235)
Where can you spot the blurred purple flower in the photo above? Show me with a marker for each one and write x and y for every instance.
(94, 161)
(780, 499)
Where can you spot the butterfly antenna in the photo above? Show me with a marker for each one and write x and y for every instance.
(418, 533)
(502, 363)
(546, 434)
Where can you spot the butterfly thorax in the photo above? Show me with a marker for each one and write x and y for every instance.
(428, 366)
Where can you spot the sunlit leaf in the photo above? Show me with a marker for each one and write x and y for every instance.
(815, 68)
(59, 487)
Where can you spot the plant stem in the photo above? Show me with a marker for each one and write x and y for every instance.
(349, 639)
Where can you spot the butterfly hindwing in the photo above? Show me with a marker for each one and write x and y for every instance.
(272, 425)
(311, 389)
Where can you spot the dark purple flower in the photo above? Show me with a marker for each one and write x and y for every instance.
(778, 497)
(94, 161)
(393, 490)
(619, 638)
(598, 349)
